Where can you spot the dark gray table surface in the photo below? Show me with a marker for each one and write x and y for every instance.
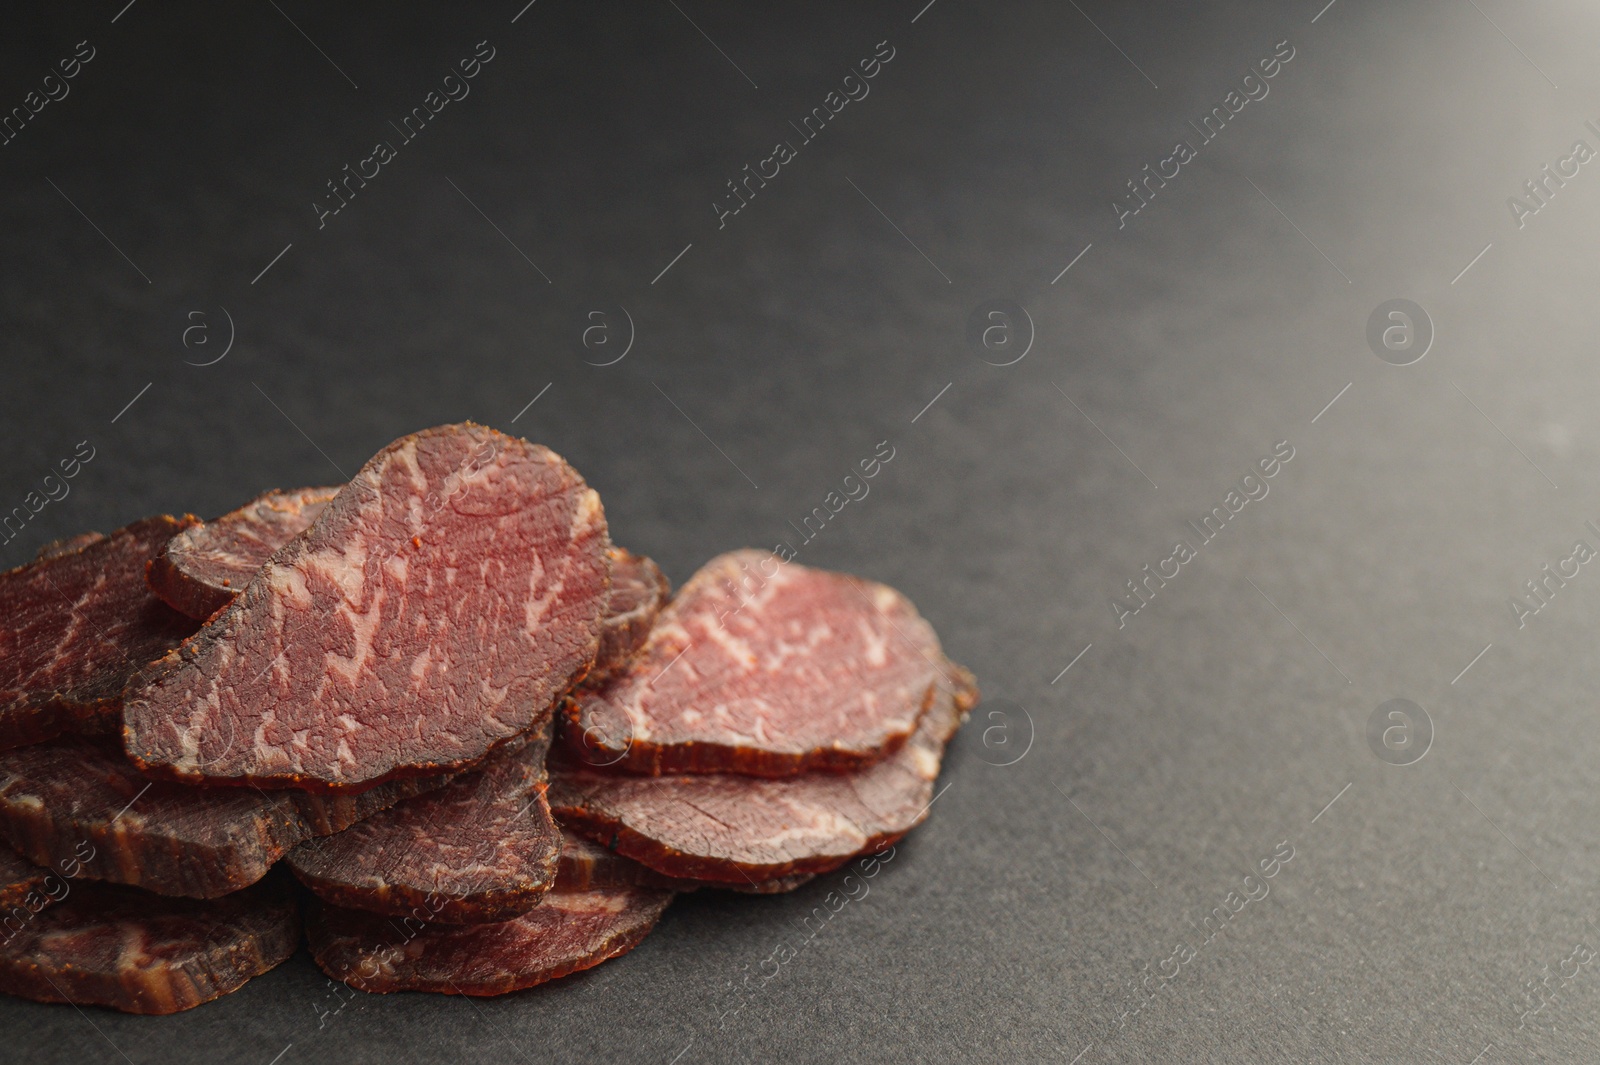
(1092, 818)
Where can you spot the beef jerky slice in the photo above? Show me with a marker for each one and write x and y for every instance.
(638, 591)
(79, 804)
(124, 948)
(736, 830)
(585, 866)
(203, 568)
(764, 668)
(568, 931)
(482, 848)
(79, 621)
(449, 594)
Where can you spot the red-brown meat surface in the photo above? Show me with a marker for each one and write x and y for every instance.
(482, 848)
(203, 568)
(68, 544)
(568, 931)
(80, 805)
(587, 866)
(735, 829)
(78, 621)
(449, 594)
(767, 669)
(107, 945)
(19, 879)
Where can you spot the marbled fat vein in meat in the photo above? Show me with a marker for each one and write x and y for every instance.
(306, 680)
(767, 669)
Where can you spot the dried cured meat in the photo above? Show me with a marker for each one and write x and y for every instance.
(79, 621)
(202, 569)
(449, 594)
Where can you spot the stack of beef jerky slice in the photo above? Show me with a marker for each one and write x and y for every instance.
(778, 722)
(773, 724)
(341, 667)
(483, 740)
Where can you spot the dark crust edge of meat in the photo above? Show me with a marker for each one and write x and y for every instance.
(620, 871)
(188, 868)
(622, 635)
(169, 584)
(485, 907)
(618, 945)
(711, 872)
(67, 545)
(194, 597)
(181, 655)
(26, 980)
(44, 715)
(643, 758)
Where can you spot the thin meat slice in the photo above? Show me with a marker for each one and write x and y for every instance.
(586, 865)
(449, 594)
(141, 953)
(79, 620)
(81, 802)
(568, 931)
(764, 668)
(203, 568)
(482, 848)
(734, 829)
(638, 592)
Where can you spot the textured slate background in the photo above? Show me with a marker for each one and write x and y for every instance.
(1092, 818)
